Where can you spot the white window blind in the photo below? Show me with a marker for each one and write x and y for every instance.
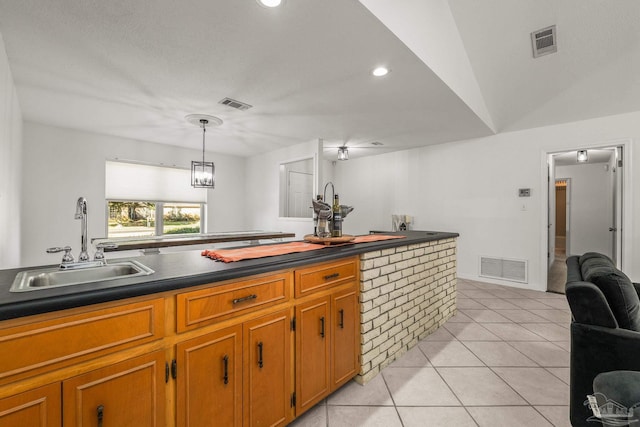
(131, 181)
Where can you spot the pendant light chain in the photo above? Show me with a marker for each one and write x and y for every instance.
(204, 131)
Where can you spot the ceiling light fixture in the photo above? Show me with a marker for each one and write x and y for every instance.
(343, 153)
(583, 157)
(269, 3)
(203, 174)
(380, 71)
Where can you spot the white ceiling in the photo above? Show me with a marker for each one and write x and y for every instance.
(134, 69)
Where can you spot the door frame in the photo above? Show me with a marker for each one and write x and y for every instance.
(624, 228)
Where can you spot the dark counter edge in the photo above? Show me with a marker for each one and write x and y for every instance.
(168, 278)
(191, 240)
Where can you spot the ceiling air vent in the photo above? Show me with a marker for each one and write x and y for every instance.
(235, 104)
(544, 41)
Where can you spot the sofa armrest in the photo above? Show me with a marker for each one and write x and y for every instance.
(595, 349)
(589, 305)
(637, 287)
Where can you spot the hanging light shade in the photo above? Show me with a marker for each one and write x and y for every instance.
(343, 153)
(583, 157)
(203, 174)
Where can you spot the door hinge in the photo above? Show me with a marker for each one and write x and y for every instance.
(174, 369)
(293, 400)
(293, 324)
(166, 372)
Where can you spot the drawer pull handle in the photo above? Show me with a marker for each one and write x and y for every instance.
(260, 362)
(331, 276)
(322, 326)
(341, 318)
(100, 413)
(243, 299)
(225, 360)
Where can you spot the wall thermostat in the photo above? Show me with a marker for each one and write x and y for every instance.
(524, 192)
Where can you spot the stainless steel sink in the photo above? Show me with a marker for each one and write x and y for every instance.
(32, 280)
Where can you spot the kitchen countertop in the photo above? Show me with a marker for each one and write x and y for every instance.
(199, 239)
(178, 271)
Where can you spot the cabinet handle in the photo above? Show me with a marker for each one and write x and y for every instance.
(243, 299)
(100, 413)
(260, 364)
(322, 326)
(331, 276)
(341, 318)
(225, 360)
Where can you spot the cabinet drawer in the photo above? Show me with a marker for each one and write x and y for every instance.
(322, 276)
(206, 306)
(40, 346)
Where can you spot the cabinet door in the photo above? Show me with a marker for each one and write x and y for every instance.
(312, 353)
(345, 337)
(34, 408)
(267, 371)
(127, 394)
(210, 379)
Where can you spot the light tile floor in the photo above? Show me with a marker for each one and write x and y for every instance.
(503, 360)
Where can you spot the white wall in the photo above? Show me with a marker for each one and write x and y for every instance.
(61, 165)
(591, 210)
(262, 183)
(10, 157)
(471, 187)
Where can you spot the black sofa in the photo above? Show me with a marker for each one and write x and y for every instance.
(605, 329)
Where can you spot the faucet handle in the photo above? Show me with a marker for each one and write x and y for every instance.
(100, 247)
(67, 257)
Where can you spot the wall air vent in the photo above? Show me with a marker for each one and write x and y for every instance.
(235, 104)
(514, 270)
(544, 41)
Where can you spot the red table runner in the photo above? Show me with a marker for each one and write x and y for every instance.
(253, 252)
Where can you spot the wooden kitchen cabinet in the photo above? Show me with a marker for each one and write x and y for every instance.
(258, 351)
(327, 330)
(345, 334)
(210, 381)
(40, 407)
(267, 370)
(313, 337)
(127, 394)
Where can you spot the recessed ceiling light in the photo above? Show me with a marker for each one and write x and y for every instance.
(380, 71)
(269, 3)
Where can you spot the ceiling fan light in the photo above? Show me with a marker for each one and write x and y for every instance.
(343, 153)
(583, 156)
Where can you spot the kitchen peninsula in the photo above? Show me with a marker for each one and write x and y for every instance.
(285, 331)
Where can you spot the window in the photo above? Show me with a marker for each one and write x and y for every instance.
(146, 219)
(145, 200)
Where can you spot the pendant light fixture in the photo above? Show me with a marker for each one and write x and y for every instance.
(203, 174)
(343, 153)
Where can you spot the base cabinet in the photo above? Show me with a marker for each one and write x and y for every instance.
(345, 334)
(313, 337)
(127, 394)
(210, 384)
(40, 407)
(254, 352)
(267, 370)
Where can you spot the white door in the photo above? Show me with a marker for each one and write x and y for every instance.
(300, 194)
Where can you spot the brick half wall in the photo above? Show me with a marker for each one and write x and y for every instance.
(406, 293)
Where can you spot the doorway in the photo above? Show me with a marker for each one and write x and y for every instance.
(584, 208)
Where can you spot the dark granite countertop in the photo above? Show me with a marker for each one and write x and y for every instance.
(178, 271)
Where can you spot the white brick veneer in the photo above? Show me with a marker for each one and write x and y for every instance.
(406, 293)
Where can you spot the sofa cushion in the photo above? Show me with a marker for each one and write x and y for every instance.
(616, 287)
